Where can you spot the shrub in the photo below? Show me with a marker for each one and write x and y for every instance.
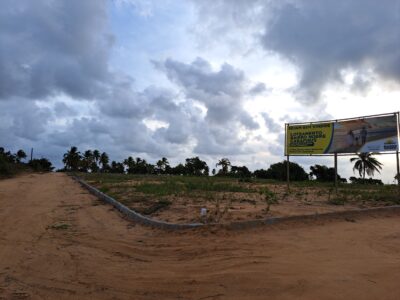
(355, 180)
(270, 197)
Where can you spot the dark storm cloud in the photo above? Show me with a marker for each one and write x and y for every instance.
(58, 89)
(322, 38)
(259, 88)
(271, 124)
(61, 109)
(325, 37)
(222, 91)
(51, 47)
(27, 121)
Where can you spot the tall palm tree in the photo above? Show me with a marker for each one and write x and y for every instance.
(20, 155)
(104, 160)
(72, 159)
(87, 161)
(224, 163)
(96, 156)
(162, 165)
(130, 164)
(366, 164)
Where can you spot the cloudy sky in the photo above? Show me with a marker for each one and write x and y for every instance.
(208, 78)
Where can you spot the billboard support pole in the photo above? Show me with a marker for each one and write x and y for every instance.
(336, 172)
(398, 168)
(397, 152)
(287, 173)
(287, 158)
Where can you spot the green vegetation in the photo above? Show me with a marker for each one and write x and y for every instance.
(223, 195)
(324, 174)
(60, 226)
(366, 164)
(11, 164)
(278, 171)
(157, 206)
(269, 196)
(93, 161)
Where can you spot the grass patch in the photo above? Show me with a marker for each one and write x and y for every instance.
(60, 226)
(159, 205)
(338, 200)
(176, 186)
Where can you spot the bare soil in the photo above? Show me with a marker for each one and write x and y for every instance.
(59, 242)
(249, 204)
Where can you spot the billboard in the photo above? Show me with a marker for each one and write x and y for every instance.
(369, 134)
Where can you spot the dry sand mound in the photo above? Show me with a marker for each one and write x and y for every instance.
(59, 242)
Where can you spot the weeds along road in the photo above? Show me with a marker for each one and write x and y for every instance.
(59, 242)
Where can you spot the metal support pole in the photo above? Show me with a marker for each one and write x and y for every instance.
(287, 172)
(398, 168)
(336, 179)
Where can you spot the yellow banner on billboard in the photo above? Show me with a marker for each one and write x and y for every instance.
(368, 134)
(309, 138)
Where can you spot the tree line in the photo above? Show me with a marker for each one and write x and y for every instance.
(95, 161)
(12, 163)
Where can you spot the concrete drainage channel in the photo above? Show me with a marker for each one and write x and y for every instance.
(136, 217)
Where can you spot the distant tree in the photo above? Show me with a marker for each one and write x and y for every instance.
(162, 166)
(10, 164)
(117, 167)
(366, 164)
(8, 156)
(355, 180)
(87, 161)
(178, 170)
(242, 172)
(41, 165)
(278, 172)
(150, 169)
(72, 159)
(261, 173)
(20, 155)
(323, 173)
(225, 164)
(195, 166)
(104, 160)
(130, 165)
(141, 166)
(96, 156)
(6, 168)
(397, 177)
(213, 171)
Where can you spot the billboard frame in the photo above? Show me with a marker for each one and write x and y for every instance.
(335, 155)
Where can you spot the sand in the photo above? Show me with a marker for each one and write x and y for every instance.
(59, 242)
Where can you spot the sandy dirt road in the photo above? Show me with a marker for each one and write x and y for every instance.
(99, 255)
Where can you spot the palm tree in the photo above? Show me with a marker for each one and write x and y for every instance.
(87, 161)
(162, 165)
(96, 157)
(130, 164)
(224, 163)
(366, 164)
(20, 155)
(104, 161)
(72, 159)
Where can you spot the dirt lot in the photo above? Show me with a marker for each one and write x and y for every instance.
(59, 242)
(179, 199)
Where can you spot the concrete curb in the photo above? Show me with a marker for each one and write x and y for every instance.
(136, 217)
(314, 217)
(132, 215)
